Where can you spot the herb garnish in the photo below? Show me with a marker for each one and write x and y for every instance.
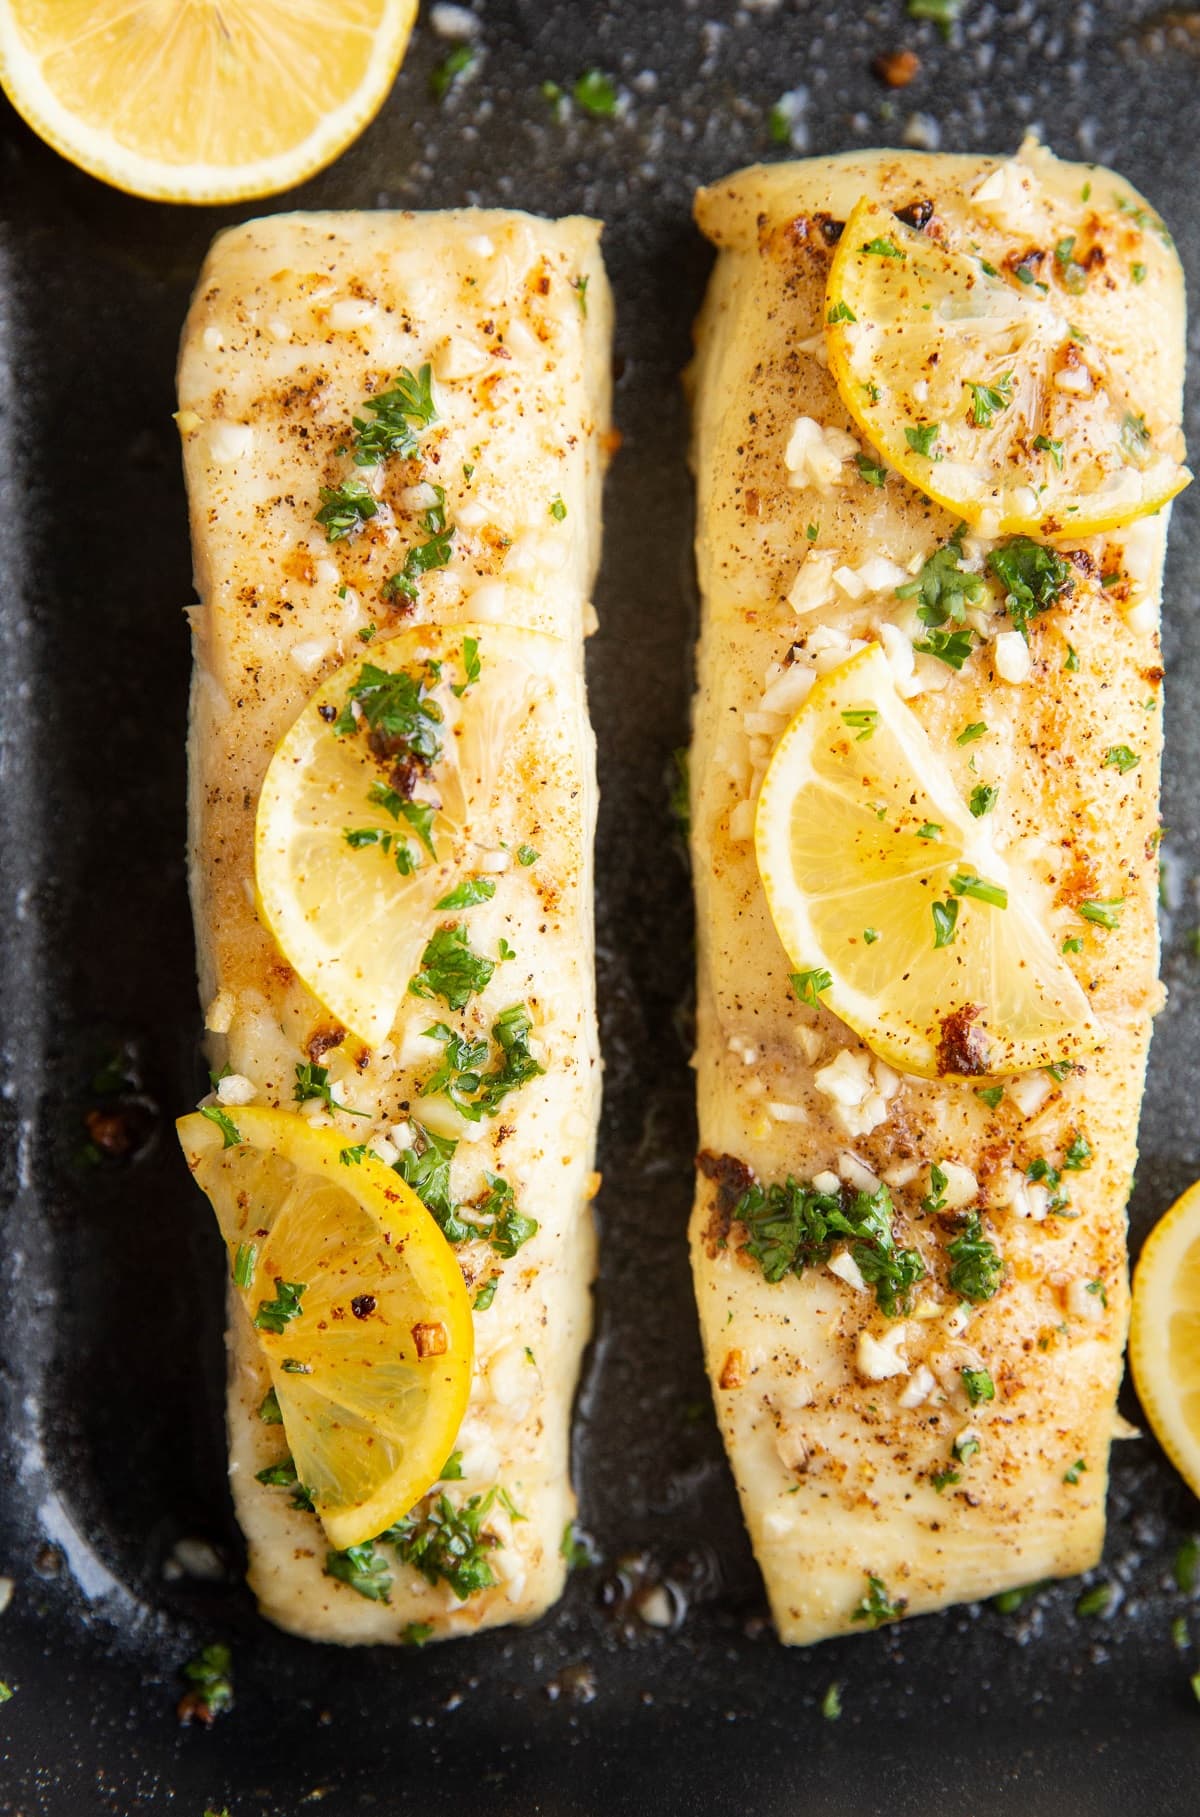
(983, 799)
(923, 438)
(424, 557)
(460, 62)
(988, 400)
(976, 1265)
(1103, 914)
(210, 1675)
(979, 1385)
(344, 508)
(596, 93)
(472, 1091)
(398, 414)
(809, 985)
(230, 1132)
(312, 1081)
(448, 1544)
(274, 1315)
(1034, 577)
(450, 969)
(877, 1607)
(790, 1227)
(1120, 757)
(872, 471)
(468, 894)
(244, 1264)
(362, 1569)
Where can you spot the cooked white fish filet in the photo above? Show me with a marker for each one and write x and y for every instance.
(836, 1459)
(295, 320)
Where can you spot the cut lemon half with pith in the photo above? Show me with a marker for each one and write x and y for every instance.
(982, 394)
(894, 911)
(201, 100)
(1164, 1334)
(357, 1302)
(417, 783)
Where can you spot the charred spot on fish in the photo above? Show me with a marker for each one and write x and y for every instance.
(916, 215)
(963, 1048)
(830, 230)
(322, 1039)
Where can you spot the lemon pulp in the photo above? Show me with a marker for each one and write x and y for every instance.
(1164, 1336)
(358, 1305)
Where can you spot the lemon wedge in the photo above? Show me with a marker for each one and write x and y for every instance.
(885, 894)
(207, 101)
(980, 392)
(406, 786)
(357, 1302)
(1164, 1334)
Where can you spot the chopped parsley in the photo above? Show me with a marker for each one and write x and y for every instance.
(790, 1227)
(976, 1266)
(861, 719)
(877, 1607)
(964, 883)
(351, 1157)
(872, 471)
(870, 935)
(840, 312)
(1077, 1469)
(497, 1218)
(268, 1409)
(230, 1133)
(558, 510)
(526, 855)
(596, 93)
(485, 1296)
(1074, 275)
(312, 1081)
(1187, 1566)
(450, 969)
(1009, 1601)
(426, 1168)
(577, 1547)
(283, 1475)
(1046, 444)
(945, 590)
(988, 401)
(983, 799)
(922, 439)
(970, 733)
(459, 63)
(979, 1385)
(474, 1092)
(831, 1703)
(1096, 1601)
(990, 1094)
(468, 894)
(416, 1633)
(945, 920)
(1071, 660)
(244, 1264)
(1120, 757)
(1103, 914)
(397, 416)
(580, 286)
(935, 1198)
(274, 1315)
(344, 508)
(1079, 1154)
(1137, 272)
(966, 1446)
(424, 557)
(883, 248)
(1100, 1291)
(809, 985)
(419, 815)
(930, 830)
(395, 705)
(362, 1569)
(1041, 1173)
(1135, 439)
(471, 667)
(448, 1544)
(944, 1479)
(210, 1676)
(1034, 578)
(1072, 944)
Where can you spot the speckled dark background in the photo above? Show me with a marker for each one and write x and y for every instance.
(110, 1440)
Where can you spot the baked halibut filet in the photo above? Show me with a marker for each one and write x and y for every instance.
(896, 1464)
(295, 321)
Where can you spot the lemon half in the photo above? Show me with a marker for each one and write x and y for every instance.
(1164, 1334)
(980, 392)
(357, 1302)
(889, 901)
(201, 100)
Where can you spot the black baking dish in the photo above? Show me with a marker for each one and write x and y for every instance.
(111, 1447)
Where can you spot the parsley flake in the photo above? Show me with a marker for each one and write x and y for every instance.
(230, 1133)
(275, 1315)
(877, 1607)
(450, 969)
(808, 986)
(345, 508)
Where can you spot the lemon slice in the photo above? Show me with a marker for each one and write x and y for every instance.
(1164, 1334)
(408, 784)
(357, 1302)
(887, 898)
(980, 393)
(201, 100)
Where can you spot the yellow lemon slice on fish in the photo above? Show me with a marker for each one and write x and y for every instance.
(888, 900)
(1164, 1335)
(982, 394)
(405, 795)
(357, 1303)
(206, 101)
